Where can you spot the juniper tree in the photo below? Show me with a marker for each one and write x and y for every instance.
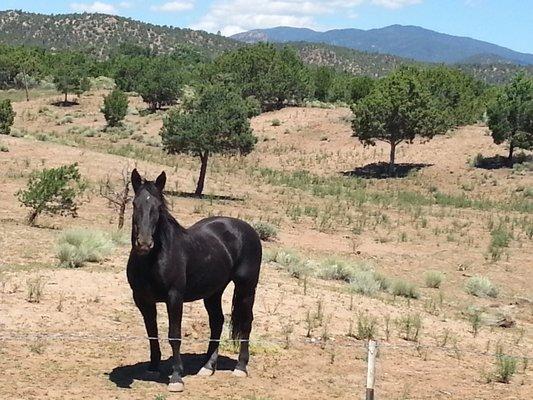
(510, 117)
(398, 109)
(215, 122)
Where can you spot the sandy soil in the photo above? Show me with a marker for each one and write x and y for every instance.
(95, 301)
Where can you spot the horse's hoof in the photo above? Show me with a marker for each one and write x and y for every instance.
(205, 372)
(239, 373)
(176, 387)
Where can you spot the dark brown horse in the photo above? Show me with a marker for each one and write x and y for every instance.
(171, 264)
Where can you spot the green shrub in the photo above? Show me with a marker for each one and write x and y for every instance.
(500, 238)
(4, 148)
(102, 83)
(52, 191)
(481, 286)
(505, 368)
(276, 122)
(409, 327)
(7, 116)
(433, 279)
(67, 119)
(115, 107)
(78, 246)
(367, 327)
(475, 317)
(400, 287)
(265, 230)
(82, 131)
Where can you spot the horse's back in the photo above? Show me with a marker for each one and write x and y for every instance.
(223, 244)
(230, 231)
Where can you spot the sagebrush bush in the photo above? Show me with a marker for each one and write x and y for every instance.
(7, 116)
(115, 107)
(400, 287)
(365, 282)
(78, 246)
(265, 230)
(481, 286)
(290, 261)
(335, 269)
(433, 279)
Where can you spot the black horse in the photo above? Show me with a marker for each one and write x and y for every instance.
(171, 264)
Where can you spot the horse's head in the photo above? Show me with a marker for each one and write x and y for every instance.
(148, 204)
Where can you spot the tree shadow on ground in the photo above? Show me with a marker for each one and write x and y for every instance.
(176, 193)
(381, 170)
(65, 103)
(498, 162)
(125, 375)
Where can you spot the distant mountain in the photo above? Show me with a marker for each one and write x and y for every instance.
(404, 41)
(487, 68)
(348, 60)
(101, 33)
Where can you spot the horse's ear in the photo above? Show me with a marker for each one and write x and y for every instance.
(160, 181)
(136, 180)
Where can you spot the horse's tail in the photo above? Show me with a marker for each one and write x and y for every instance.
(237, 316)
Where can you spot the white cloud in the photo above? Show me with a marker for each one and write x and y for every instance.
(173, 6)
(125, 4)
(95, 7)
(395, 4)
(233, 16)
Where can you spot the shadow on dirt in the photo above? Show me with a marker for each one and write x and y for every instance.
(175, 193)
(381, 170)
(125, 375)
(65, 103)
(498, 162)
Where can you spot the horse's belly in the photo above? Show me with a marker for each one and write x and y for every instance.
(206, 282)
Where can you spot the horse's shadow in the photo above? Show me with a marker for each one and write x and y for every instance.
(125, 375)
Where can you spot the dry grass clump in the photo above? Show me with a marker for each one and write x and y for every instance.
(433, 279)
(78, 246)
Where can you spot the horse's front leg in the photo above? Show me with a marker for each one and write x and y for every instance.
(175, 312)
(149, 313)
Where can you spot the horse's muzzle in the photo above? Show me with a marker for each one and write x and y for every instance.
(143, 247)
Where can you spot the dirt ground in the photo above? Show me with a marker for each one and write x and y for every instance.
(100, 352)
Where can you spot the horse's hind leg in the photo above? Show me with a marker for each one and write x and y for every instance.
(242, 316)
(213, 305)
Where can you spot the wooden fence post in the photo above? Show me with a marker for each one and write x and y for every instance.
(370, 376)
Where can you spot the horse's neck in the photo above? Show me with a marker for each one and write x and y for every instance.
(169, 229)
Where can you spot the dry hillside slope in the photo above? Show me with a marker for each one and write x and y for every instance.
(441, 217)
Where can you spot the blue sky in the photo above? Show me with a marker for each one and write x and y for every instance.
(508, 23)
